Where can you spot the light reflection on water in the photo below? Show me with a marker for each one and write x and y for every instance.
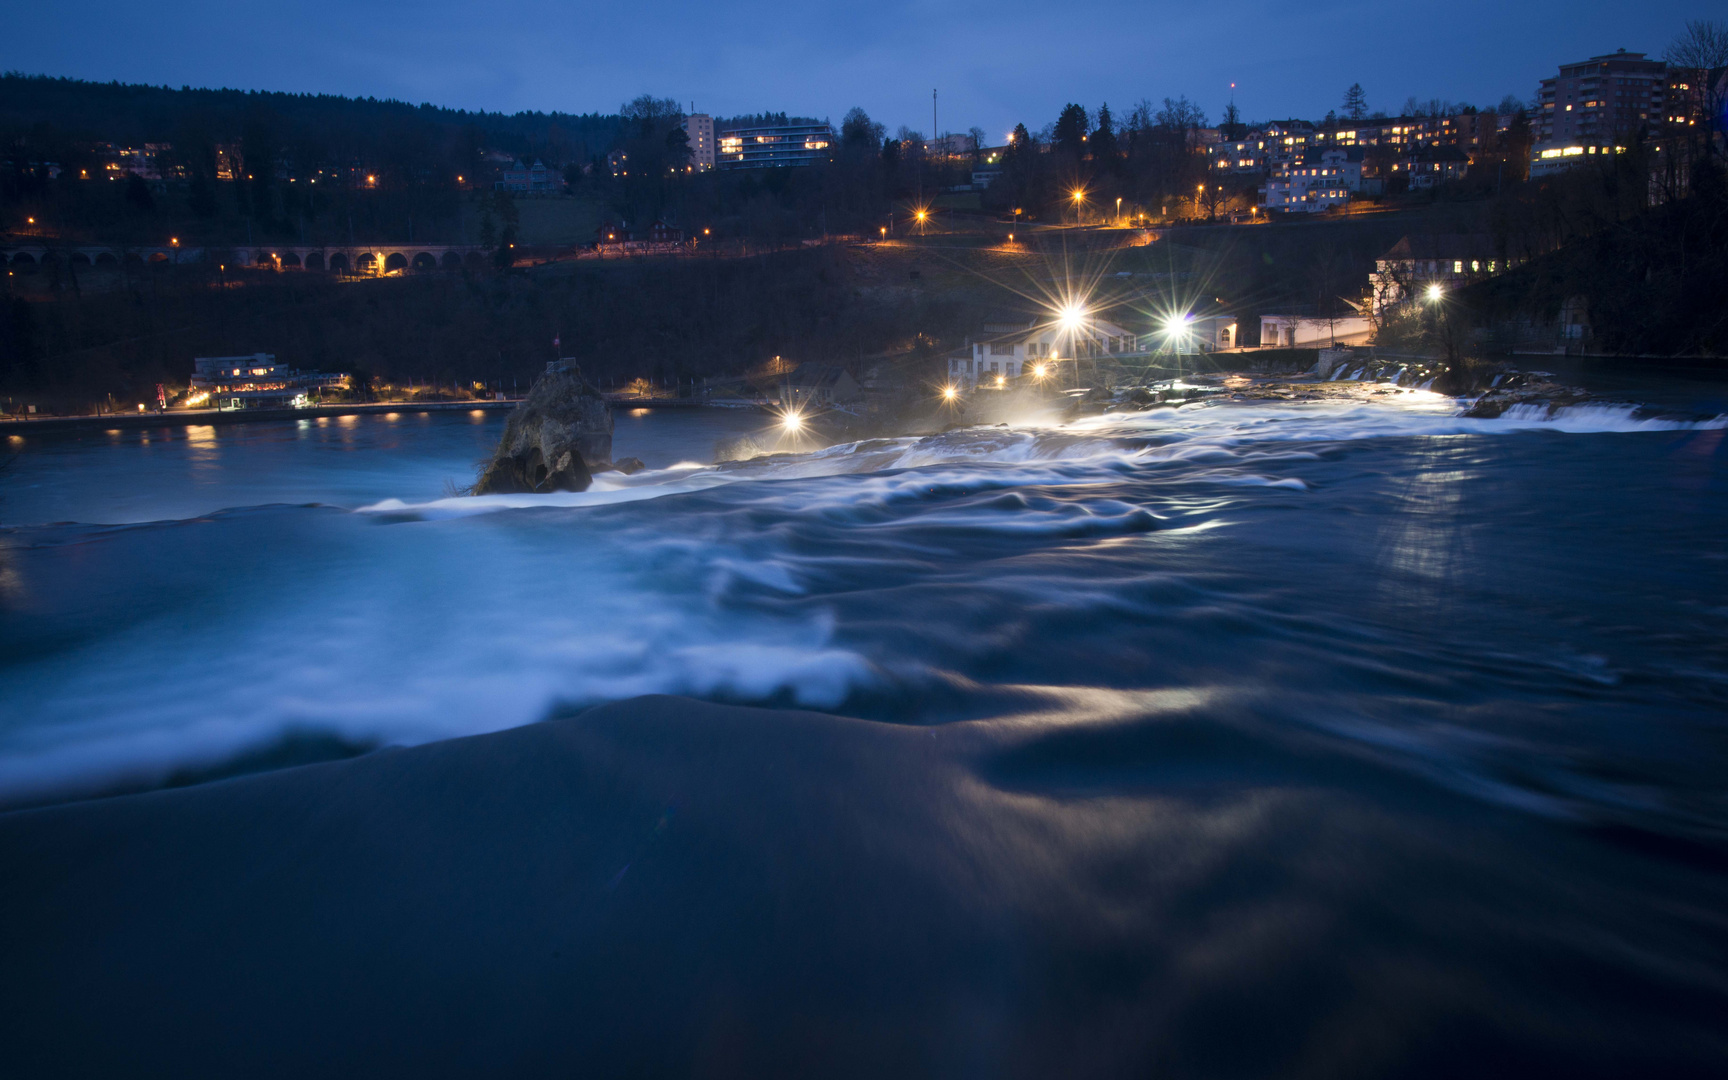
(182, 471)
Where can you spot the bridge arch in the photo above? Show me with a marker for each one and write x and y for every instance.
(132, 258)
(365, 262)
(452, 260)
(425, 261)
(339, 262)
(474, 258)
(106, 258)
(25, 260)
(314, 260)
(80, 259)
(158, 257)
(395, 261)
(289, 258)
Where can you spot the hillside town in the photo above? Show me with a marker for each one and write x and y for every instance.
(1435, 199)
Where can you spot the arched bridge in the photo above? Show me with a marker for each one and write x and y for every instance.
(348, 259)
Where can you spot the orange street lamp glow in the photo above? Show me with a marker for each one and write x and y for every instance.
(949, 393)
(1001, 380)
(1039, 371)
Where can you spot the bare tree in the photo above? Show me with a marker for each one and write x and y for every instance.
(1702, 49)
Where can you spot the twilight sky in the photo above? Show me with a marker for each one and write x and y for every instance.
(995, 63)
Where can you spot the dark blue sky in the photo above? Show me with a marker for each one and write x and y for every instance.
(995, 63)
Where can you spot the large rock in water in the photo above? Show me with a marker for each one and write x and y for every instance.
(556, 439)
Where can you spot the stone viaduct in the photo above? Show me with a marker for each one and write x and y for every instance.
(27, 256)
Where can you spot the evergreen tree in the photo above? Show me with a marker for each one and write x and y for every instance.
(1103, 141)
(1355, 103)
(1071, 128)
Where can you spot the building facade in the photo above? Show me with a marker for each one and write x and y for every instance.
(258, 381)
(1319, 180)
(1603, 100)
(1022, 350)
(529, 178)
(1308, 331)
(699, 128)
(1416, 264)
(773, 147)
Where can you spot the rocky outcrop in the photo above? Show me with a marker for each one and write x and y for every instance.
(555, 440)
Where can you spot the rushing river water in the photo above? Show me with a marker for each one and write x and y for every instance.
(1494, 653)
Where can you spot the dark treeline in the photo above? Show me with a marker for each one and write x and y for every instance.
(303, 167)
(1650, 280)
(667, 320)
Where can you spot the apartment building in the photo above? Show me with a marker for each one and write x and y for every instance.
(1604, 100)
(774, 147)
(1318, 181)
(699, 128)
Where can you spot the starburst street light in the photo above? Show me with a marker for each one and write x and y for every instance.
(1072, 316)
(949, 393)
(1039, 371)
(1434, 293)
(792, 421)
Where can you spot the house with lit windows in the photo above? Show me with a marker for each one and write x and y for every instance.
(1417, 264)
(1318, 180)
(1014, 346)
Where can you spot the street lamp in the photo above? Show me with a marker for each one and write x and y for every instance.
(1118, 210)
(1434, 293)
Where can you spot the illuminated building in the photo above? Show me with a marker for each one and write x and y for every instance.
(699, 129)
(1418, 262)
(774, 147)
(1603, 100)
(1318, 180)
(1014, 345)
(258, 381)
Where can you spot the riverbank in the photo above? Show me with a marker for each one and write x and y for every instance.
(188, 417)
